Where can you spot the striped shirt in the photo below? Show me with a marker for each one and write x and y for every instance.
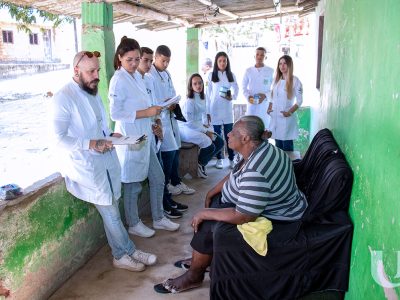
(265, 185)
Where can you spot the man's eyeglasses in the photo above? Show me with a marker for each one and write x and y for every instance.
(88, 54)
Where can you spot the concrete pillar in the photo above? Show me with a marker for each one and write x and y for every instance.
(97, 34)
(192, 51)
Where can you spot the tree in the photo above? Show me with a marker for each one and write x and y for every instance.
(26, 16)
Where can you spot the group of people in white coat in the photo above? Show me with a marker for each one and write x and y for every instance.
(274, 100)
(210, 111)
(95, 170)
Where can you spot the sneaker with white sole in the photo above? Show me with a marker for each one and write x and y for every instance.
(219, 164)
(128, 263)
(174, 190)
(172, 213)
(178, 206)
(185, 189)
(141, 230)
(165, 224)
(231, 164)
(145, 258)
(201, 171)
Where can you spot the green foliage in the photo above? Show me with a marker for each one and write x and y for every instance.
(27, 15)
(227, 35)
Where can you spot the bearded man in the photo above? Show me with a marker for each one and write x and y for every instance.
(91, 170)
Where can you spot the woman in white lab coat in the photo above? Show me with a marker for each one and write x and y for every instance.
(221, 90)
(130, 107)
(197, 129)
(287, 97)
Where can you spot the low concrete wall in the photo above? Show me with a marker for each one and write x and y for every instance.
(45, 236)
(14, 70)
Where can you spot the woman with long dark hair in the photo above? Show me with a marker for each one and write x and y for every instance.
(131, 108)
(221, 90)
(197, 129)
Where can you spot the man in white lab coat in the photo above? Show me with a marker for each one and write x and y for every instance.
(163, 90)
(256, 86)
(91, 169)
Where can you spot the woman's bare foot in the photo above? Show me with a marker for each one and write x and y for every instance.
(187, 281)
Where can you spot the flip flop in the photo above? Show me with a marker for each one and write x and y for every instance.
(159, 288)
(183, 264)
(165, 288)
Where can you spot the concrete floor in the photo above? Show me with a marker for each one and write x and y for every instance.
(98, 279)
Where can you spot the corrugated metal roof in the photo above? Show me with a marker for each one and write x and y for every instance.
(164, 14)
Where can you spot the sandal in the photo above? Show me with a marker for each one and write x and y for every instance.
(185, 264)
(166, 288)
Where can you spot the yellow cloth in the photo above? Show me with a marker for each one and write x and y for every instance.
(255, 234)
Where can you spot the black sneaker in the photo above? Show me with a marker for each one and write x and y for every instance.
(201, 171)
(172, 213)
(178, 206)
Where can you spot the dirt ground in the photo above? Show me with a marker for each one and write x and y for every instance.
(26, 155)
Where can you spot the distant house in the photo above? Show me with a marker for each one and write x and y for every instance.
(42, 49)
(20, 46)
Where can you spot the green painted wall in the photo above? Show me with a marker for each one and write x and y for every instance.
(45, 239)
(304, 116)
(360, 102)
(97, 34)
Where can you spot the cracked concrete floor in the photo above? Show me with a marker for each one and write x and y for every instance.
(98, 279)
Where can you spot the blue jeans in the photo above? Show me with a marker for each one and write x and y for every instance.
(117, 237)
(132, 191)
(206, 154)
(285, 145)
(227, 129)
(170, 164)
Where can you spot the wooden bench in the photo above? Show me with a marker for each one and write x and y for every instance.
(188, 159)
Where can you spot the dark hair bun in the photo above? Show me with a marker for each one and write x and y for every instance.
(124, 38)
(266, 135)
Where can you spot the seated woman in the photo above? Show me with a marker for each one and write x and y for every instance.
(262, 184)
(193, 130)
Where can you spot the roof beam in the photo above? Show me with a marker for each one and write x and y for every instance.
(221, 10)
(139, 11)
(261, 16)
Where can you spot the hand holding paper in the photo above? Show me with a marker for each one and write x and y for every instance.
(127, 140)
(171, 101)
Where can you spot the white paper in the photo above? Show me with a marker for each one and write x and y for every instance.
(127, 140)
(158, 145)
(171, 101)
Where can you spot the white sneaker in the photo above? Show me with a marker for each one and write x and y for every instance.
(165, 224)
(219, 164)
(185, 189)
(201, 171)
(141, 230)
(231, 164)
(128, 263)
(145, 258)
(174, 190)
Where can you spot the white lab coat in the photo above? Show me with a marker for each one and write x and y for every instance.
(193, 131)
(163, 90)
(74, 125)
(285, 128)
(128, 94)
(219, 108)
(255, 81)
(148, 81)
